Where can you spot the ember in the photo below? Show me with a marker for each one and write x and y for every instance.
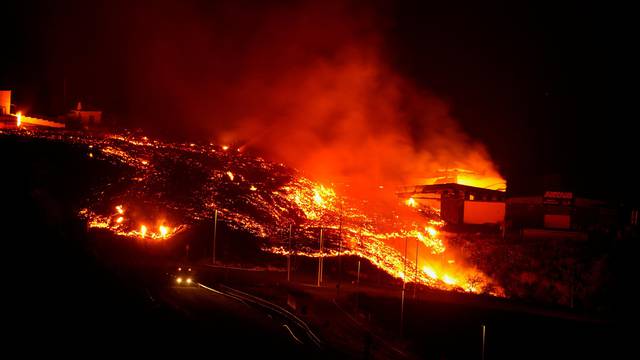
(283, 197)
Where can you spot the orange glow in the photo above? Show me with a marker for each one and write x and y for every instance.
(449, 280)
(373, 231)
(19, 118)
(430, 272)
(488, 179)
(411, 202)
(431, 231)
(225, 147)
(115, 224)
(163, 231)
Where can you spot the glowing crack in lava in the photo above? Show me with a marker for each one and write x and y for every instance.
(169, 186)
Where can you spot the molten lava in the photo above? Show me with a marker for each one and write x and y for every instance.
(187, 183)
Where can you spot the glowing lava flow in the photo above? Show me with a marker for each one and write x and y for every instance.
(160, 183)
(116, 223)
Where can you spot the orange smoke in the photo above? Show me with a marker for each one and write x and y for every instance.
(307, 84)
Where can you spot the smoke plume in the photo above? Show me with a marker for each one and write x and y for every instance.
(303, 83)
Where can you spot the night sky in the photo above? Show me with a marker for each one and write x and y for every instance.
(543, 86)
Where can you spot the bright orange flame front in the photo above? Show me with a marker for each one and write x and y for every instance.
(163, 231)
(430, 272)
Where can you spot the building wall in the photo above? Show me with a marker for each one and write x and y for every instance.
(552, 221)
(87, 118)
(5, 102)
(483, 212)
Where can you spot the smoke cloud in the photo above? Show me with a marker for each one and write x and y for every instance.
(304, 83)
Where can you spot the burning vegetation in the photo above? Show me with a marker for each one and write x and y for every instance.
(170, 186)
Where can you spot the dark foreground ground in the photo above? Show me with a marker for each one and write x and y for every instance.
(66, 292)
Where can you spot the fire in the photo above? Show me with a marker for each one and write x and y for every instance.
(163, 231)
(115, 224)
(411, 202)
(19, 118)
(431, 231)
(487, 180)
(377, 234)
(430, 272)
(449, 280)
(225, 147)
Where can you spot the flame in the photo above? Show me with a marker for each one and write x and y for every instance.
(449, 280)
(230, 175)
(115, 224)
(431, 231)
(163, 231)
(430, 272)
(19, 118)
(486, 180)
(376, 233)
(411, 202)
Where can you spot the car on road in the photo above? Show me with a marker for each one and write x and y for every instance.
(184, 276)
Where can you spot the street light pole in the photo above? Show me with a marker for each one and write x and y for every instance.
(320, 260)
(415, 278)
(339, 253)
(484, 334)
(289, 256)
(215, 234)
(404, 286)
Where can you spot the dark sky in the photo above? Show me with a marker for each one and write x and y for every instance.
(543, 86)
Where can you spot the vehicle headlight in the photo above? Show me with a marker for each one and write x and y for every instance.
(179, 280)
(188, 280)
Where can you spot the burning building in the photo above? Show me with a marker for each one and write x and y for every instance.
(457, 202)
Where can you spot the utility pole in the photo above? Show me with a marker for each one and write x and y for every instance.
(404, 286)
(289, 256)
(215, 234)
(320, 260)
(415, 277)
(360, 249)
(484, 333)
(339, 252)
